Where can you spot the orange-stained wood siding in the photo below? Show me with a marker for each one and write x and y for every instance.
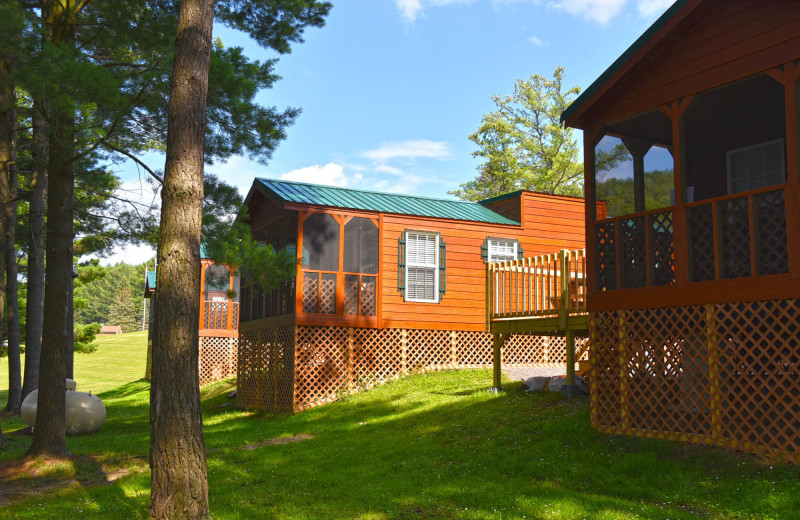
(718, 43)
(552, 223)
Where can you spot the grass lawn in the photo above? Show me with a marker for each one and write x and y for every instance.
(118, 360)
(429, 446)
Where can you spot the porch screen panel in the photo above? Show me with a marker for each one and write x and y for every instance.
(613, 180)
(217, 282)
(321, 243)
(361, 246)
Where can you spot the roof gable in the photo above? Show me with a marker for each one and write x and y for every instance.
(632, 55)
(346, 198)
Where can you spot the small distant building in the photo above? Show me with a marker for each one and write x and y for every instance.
(110, 329)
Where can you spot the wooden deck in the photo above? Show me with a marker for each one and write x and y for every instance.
(540, 295)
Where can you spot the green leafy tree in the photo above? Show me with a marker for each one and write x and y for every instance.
(523, 144)
(84, 338)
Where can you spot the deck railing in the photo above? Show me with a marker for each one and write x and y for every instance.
(542, 286)
(222, 315)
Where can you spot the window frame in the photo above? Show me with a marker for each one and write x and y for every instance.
(745, 149)
(489, 241)
(435, 266)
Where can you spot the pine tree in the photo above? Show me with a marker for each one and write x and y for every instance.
(124, 311)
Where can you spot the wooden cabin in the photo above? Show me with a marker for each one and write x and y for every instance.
(387, 284)
(219, 320)
(691, 137)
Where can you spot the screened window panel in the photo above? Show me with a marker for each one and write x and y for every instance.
(757, 166)
(360, 246)
(502, 250)
(321, 242)
(217, 282)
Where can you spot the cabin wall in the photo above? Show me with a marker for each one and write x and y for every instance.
(550, 223)
(728, 41)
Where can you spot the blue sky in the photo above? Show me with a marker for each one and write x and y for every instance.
(390, 90)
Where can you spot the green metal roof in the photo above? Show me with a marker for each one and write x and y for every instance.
(332, 196)
(638, 44)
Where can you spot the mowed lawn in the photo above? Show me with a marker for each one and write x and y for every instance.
(118, 360)
(429, 446)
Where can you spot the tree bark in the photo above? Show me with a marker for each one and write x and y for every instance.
(7, 125)
(179, 484)
(49, 435)
(12, 295)
(34, 310)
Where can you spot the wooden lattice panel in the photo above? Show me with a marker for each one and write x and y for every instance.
(310, 292)
(662, 245)
(327, 294)
(773, 255)
(634, 252)
(332, 361)
(701, 243)
(351, 295)
(266, 369)
(369, 301)
(727, 375)
(218, 359)
(735, 237)
(606, 245)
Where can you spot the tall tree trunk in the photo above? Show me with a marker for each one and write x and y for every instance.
(49, 436)
(12, 308)
(179, 482)
(34, 309)
(7, 125)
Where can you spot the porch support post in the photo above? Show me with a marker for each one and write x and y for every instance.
(788, 76)
(570, 341)
(638, 149)
(675, 111)
(497, 343)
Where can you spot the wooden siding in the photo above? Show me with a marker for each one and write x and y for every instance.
(718, 43)
(552, 223)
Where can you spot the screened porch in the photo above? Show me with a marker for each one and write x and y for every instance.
(695, 193)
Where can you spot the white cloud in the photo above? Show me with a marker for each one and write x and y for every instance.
(598, 10)
(650, 8)
(421, 148)
(410, 10)
(604, 10)
(385, 168)
(129, 254)
(536, 41)
(331, 174)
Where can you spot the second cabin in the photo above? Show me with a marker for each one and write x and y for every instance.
(386, 284)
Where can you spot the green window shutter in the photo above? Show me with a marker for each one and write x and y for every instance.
(520, 252)
(442, 266)
(485, 250)
(401, 264)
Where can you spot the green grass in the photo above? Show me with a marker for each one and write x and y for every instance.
(118, 360)
(429, 446)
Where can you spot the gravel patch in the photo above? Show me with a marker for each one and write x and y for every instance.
(525, 373)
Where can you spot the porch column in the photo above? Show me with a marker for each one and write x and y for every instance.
(675, 111)
(638, 149)
(497, 344)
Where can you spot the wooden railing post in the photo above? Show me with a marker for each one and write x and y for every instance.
(563, 261)
(489, 295)
(570, 344)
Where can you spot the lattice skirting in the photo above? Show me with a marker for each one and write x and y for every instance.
(218, 359)
(294, 368)
(725, 375)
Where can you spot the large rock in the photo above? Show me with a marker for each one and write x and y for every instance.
(537, 383)
(559, 384)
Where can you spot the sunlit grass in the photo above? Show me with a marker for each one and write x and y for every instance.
(119, 359)
(425, 447)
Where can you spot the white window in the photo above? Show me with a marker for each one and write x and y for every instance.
(757, 166)
(501, 250)
(422, 267)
